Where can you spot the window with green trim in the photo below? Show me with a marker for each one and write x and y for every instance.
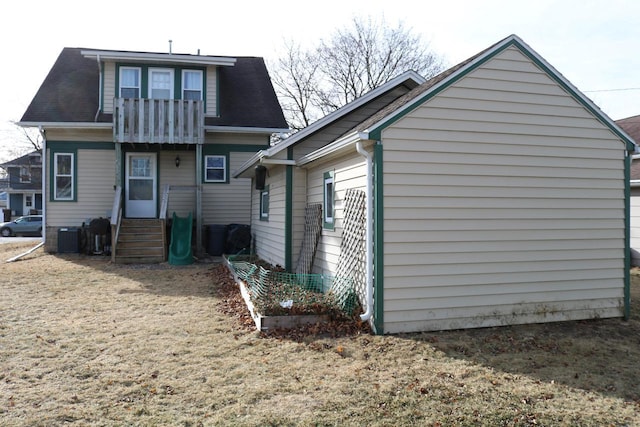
(328, 220)
(63, 176)
(192, 84)
(215, 168)
(264, 204)
(130, 82)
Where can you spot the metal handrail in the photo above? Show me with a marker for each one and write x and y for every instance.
(116, 219)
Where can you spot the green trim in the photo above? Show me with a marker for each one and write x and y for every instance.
(102, 86)
(288, 214)
(325, 224)
(627, 237)
(378, 239)
(52, 157)
(228, 148)
(78, 145)
(266, 208)
(217, 114)
(177, 78)
(376, 133)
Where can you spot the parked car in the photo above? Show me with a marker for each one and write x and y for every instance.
(25, 225)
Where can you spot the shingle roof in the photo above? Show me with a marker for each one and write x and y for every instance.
(31, 159)
(631, 125)
(69, 93)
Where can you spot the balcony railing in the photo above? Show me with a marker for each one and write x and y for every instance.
(158, 121)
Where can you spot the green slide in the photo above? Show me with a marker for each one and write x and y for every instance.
(180, 248)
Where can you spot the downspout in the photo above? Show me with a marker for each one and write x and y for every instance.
(368, 234)
(95, 119)
(44, 184)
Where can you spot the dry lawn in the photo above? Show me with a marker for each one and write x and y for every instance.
(84, 342)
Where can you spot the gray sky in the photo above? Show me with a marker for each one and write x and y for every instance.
(594, 44)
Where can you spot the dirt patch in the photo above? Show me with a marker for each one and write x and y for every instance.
(85, 342)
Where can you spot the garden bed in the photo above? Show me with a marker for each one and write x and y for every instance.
(279, 300)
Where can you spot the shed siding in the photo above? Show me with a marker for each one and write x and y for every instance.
(94, 192)
(503, 204)
(349, 172)
(269, 235)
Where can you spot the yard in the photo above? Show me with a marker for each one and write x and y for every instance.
(85, 342)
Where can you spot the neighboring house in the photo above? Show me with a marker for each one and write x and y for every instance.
(140, 135)
(631, 125)
(24, 185)
(497, 196)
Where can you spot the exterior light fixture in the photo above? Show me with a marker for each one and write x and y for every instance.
(177, 161)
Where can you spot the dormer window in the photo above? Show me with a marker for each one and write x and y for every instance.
(129, 82)
(160, 83)
(192, 85)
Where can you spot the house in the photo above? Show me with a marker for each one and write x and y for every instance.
(137, 136)
(24, 184)
(631, 125)
(494, 194)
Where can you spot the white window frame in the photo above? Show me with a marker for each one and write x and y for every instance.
(264, 204)
(201, 89)
(70, 175)
(328, 214)
(224, 168)
(171, 79)
(139, 87)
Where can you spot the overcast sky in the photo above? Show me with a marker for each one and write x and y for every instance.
(595, 44)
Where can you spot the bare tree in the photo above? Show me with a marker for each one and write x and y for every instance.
(355, 60)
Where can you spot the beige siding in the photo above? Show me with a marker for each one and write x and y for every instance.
(349, 172)
(94, 192)
(80, 135)
(181, 200)
(269, 235)
(212, 91)
(503, 204)
(299, 201)
(109, 87)
(228, 203)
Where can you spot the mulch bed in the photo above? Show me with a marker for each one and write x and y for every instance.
(232, 304)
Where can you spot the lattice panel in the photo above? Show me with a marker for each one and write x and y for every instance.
(312, 230)
(352, 248)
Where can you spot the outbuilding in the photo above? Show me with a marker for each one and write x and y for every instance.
(495, 193)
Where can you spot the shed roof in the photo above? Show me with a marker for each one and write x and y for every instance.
(631, 125)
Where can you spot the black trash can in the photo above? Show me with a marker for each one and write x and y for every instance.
(238, 239)
(216, 236)
(6, 213)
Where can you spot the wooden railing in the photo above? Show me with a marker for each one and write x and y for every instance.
(158, 121)
(116, 218)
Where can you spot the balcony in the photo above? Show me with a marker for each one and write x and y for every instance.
(158, 121)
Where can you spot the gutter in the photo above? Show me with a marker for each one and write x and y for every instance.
(368, 234)
(95, 118)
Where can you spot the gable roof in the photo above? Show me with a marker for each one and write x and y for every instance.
(410, 79)
(372, 127)
(70, 92)
(30, 159)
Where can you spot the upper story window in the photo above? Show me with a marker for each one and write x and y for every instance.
(25, 174)
(161, 83)
(129, 82)
(192, 84)
(63, 176)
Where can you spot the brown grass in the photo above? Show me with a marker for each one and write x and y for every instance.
(85, 342)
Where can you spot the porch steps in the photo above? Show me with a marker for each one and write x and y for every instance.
(141, 241)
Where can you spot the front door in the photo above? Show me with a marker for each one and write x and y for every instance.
(140, 186)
